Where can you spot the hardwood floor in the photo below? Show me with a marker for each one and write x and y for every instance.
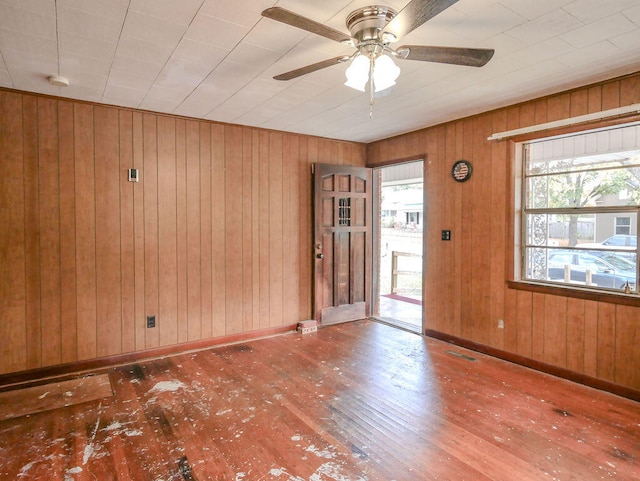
(358, 401)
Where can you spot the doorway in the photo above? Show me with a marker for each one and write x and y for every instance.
(398, 243)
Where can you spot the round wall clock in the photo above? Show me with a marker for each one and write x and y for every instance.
(461, 170)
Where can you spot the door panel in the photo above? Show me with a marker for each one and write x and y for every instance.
(342, 242)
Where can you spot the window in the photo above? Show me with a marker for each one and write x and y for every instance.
(413, 218)
(580, 207)
(623, 225)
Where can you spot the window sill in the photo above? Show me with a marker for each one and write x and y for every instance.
(610, 297)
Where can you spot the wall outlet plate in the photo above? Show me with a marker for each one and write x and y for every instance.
(151, 321)
(446, 235)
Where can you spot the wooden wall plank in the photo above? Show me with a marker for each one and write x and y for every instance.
(264, 269)
(211, 326)
(559, 107)
(13, 283)
(233, 227)
(276, 233)
(460, 256)
(629, 88)
(305, 241)
(68, 295)
(555, 331)
(538, 325)
(513, 117)
(481, 208)
(84, 145)
(579, 103)
(541, 111)
(591, 338)
(151, 257)
(108, 261)
(510, 337)
(255, 227)
(32, 231)
(627, 340)
(524, 323)
(247, 230)
(606, 341)
(194, 285)
(444, 215)
(466, 229)
(181, 227)
(291, 218)
(595, 98)
(611, 95)
(139, 233)
(575, 334)
(167, 232)
(127, 232)
(217, 247)
(502, 300)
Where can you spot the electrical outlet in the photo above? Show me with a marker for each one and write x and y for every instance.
(446, 235)
(500, 324)
(151, 321)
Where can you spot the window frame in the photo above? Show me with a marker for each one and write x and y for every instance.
(520, 211)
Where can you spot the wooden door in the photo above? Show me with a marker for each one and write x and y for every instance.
(342, 243)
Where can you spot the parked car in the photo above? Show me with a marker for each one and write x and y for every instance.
(627, 244)
(607, 269)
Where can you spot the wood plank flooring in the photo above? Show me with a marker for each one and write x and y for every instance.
(46, 397)
(353, 402)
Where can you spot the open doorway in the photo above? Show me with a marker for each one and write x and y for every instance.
(398, 241)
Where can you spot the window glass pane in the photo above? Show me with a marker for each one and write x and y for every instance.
(536, 263)
(613, 187)
(547, 165)
(561, 230)
(599, 269)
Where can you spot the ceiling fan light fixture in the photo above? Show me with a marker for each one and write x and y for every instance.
(385, 73)
(358, 73)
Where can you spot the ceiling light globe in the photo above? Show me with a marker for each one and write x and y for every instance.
(385, 73)
(358, 73)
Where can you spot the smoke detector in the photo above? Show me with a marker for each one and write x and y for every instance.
(58, 81)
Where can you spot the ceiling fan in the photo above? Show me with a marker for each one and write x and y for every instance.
(373, 29)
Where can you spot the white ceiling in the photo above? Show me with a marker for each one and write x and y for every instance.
(215, 59)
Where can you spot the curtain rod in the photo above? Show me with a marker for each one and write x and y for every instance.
(604, 114)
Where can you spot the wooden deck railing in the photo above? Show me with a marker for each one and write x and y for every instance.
(395, 272)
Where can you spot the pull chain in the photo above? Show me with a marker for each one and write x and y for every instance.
(371, 61)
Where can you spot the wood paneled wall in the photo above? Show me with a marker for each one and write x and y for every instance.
(466, 292)
(214, 240)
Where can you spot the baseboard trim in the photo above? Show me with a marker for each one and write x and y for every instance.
(590, 381)
(38, 375)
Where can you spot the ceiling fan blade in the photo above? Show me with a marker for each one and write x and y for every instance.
(471, 57)
(414, 14)
(304, 23)
(311, 68)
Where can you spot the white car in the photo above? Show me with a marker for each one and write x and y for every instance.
(618, 242)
